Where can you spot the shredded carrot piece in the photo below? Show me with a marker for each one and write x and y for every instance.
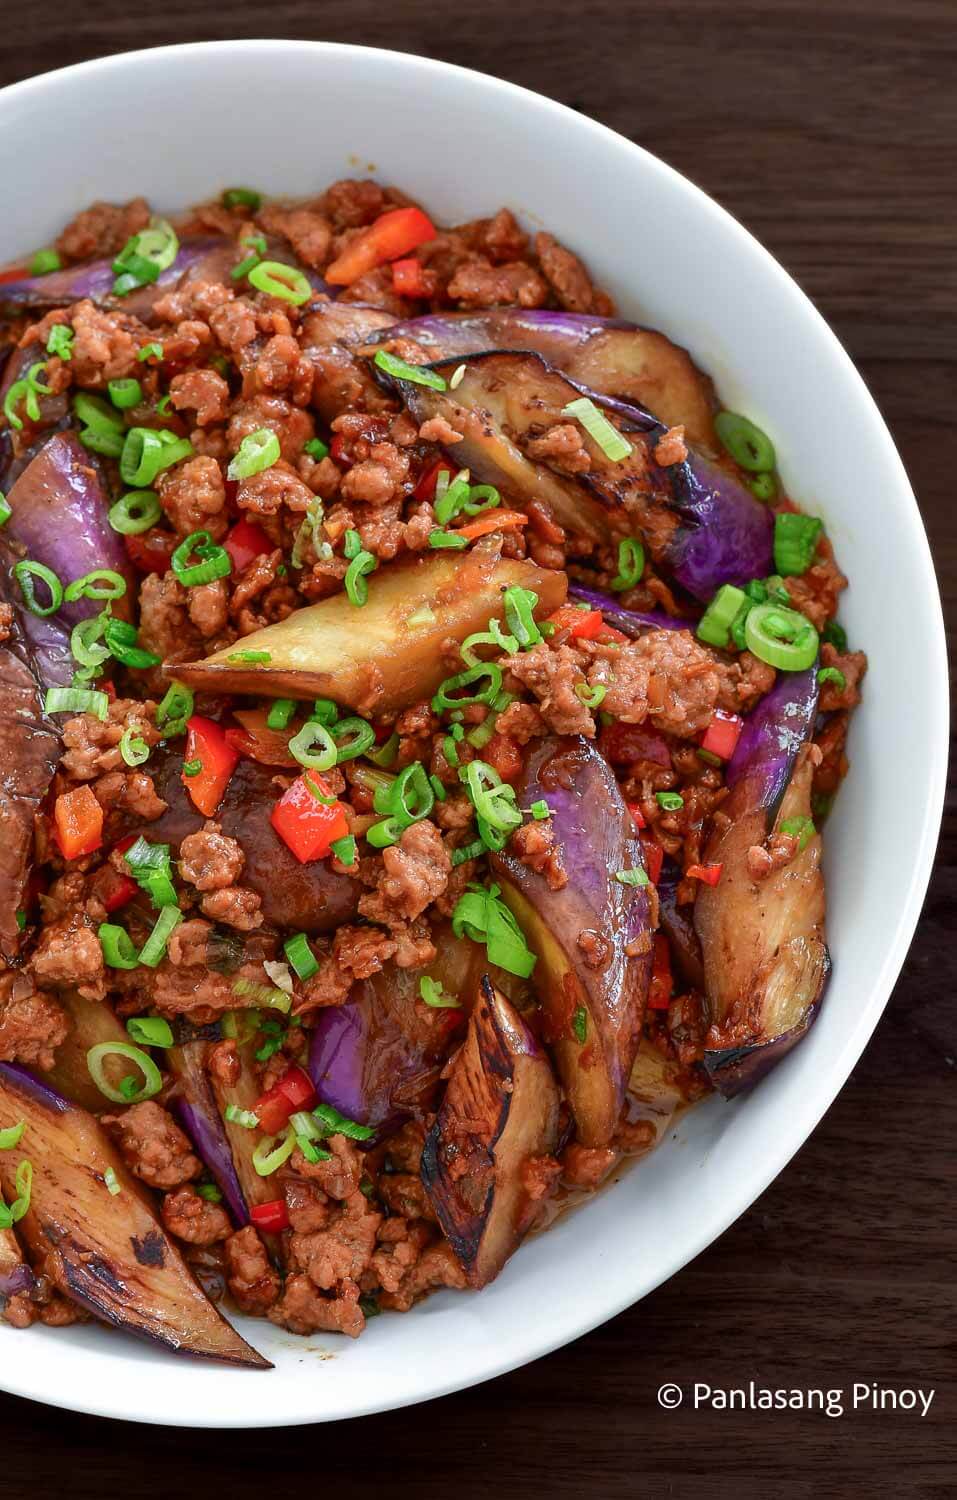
(496, 520)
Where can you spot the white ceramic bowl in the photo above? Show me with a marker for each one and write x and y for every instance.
(179, 124)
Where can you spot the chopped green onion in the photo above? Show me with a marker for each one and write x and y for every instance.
(435, 995)
(592, 695)
(316, 449)
(263, 994)
(487, 671)
(25, 572)
(302, 747)
(152, 1080)
(258, 451)
(631, 564)
(43, 262)
(795, 542)
(135, 511)
(763, 486)
(519, 604)
(580, 1024)
(281, 713)
(670, 801)
(747, 444)
(715, 624)
(832, 674)
(540, 810)
(242, 198)
(250, 656)
(401, 370)
(101, 583)
(355, 580)
(331, 1122)
(268, 1157)
(279, 280)
(599, 429)
(383, 835)
(493, 800)
(801, 829)
(133, 748)
(111, 1182)
(215, 561)
(385, 754)
(244, 1117)
(835, 635)
(125, 393)
(781, 637)
(152, 1031)
(210, 1192)
(481, 916)
(154, 948)
(467, 851)
(148, 451)
(301, 956)
(23, 1183)
(351, 544)
(150, 351)
(637, 876)
(5, 509)
(175, 709)
(121, 639)
(494, 636)
(12, 1136)
(344, 850)
(77, 701)
(353, 737)
(60, 342)
(439, 538)
(408, 798)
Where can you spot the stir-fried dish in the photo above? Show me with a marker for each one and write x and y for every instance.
(419, 706)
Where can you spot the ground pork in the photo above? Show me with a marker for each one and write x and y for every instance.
(665, 676)
(670, 447)
(165, 626)
(586, 1166)
(478, 283)
(236, 906)
(414, 872)
(32, 1024)
(308, 232)
(262, 494)
(210, 860)
(404, 1193)
(436, 1266)
(339, 1175)
(534, 844)
(103, 229)
(563, 446)
(307, 1205)
(565, 274)
(292, 426)
(204, 392)
(552, 673)
(91, 746)
(304, 1310)
(852, 665)
(343, 1250)
(193, 496)
(208, 606)
(250, 1275)
(68, 952)
(130, 792)
(194, 1219)
(153, 1146)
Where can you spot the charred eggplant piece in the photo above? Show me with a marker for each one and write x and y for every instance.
(194, 1105)
(91, 1022)
(15, 1275)
(500, 1108)
(108, 1252)
(307, 897)
(617, 359)
(766, 962)
(209, 257)
(388, 654)
(29, 752)
(252, 1188)
(631, 622)
(592, 937)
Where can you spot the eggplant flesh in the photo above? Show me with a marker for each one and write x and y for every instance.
(389, 654)
(592, 938)
(501, 1107)
(91, 1022)
(194, 1106)
(107, 1252)
(765, 957)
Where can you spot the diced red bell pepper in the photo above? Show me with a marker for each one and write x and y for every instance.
(14, 273)
(293, 1092)
(307, 825)
(425, 487)
(207, 743)
(409, 279)
(270, 1217)
(654, 859)
(585, 624)
(392, 235)
(245, 541)
(637, 814)
(116, 889)
(710, 874)
(150, 551)
(625, 743)
(659, 991)
(78, 819)
(722, 734)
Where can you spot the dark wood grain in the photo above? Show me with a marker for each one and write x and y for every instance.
(830, 129)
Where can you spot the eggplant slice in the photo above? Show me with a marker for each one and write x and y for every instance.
(593, 937)
(500, 1109)
(108, 1252)
(766, 962)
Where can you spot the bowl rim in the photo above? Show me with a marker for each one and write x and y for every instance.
(542, 1339)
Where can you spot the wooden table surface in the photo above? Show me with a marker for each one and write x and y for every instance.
(830, 129)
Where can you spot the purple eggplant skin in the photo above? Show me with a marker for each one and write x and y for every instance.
(594, 1006)
(677, 923)
(309, 898)
(16, 1276)
(59, 517)
(107, 1252)
(194, 1105)
(374, 1057)
(616, 359)
(766, 962)
(631, 622)
(722, 533)
(29, 753)
(500, 1108)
